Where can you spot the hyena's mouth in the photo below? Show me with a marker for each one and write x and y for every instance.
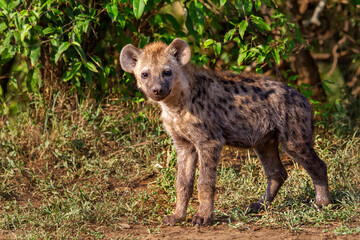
(159, 97)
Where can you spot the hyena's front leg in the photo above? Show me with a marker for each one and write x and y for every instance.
(186, 166)
(209, 154)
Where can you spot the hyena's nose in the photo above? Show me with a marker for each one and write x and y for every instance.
(157, 91)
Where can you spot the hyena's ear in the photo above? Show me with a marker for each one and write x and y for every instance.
(180, 50)
(128, 57)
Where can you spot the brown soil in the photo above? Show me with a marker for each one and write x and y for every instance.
(221, 232)
(224, 232)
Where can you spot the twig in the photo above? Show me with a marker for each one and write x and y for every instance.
(315, 17)
(354, 78)
(336, 55)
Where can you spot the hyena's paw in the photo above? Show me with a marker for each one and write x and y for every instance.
(200, 220)
(172, 219)
(255, 207)
(322, 202)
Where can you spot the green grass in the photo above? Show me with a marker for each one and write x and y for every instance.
(85, 172)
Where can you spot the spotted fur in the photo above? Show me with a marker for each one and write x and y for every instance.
(203, 110)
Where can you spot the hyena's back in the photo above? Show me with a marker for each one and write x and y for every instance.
(249, 109)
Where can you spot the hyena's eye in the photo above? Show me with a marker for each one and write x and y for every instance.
(167, 73)
(144, 75)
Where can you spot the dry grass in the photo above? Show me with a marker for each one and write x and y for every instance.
(75, 172)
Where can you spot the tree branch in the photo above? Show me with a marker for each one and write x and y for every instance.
(314, 20)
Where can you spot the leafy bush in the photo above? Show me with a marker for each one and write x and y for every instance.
(74, 45)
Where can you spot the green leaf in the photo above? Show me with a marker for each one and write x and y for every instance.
(122, 21)
(196, 12)
(31, 80)
(261, 59)
(3, 5)
(34, 55)
(13, 4)
(112, 11)
(248, 4)
(74, 43)
(276, 55)
(208, 43)
(260, 23)
(70, 74)
(138, 8)
(39, 30)
(91, 66)
(242, 56)
(25, 31)
(244, 6)
(17, 36)
(217, 48)
(229, 35)
(49, 30)
(242, 28)
(257, 5)
(173, 22)
(63, 47)
(2, 26)
(189, 24)
(222, 2)
(80, 51)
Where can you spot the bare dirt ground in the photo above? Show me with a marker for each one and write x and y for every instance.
(225, 232)
(222, 232)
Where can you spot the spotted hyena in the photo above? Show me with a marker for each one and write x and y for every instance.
(203, 109)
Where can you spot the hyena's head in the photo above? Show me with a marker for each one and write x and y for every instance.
(156, 67)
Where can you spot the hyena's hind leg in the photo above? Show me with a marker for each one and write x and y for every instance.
(304, 154)
(274, 170)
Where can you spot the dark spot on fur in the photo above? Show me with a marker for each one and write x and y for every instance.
(231, 107)
(201, 105)
(253, 110)
(198, 125)
(203, 91)
(246, 101)
(222, 100)
(256, 89)
(286, 119)
(303, 151)
(266, 95)
(303, 105)
(192, 109)
(254, 98)
(248, 80)
(212, 134)
(236, 90)
(200, 78)
(226, 89)
(238, 116)
(288, 99)
(243, 88)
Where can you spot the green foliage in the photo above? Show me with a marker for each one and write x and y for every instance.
(77, 42)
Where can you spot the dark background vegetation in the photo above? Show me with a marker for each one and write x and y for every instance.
(72, 47)
(80, 147)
